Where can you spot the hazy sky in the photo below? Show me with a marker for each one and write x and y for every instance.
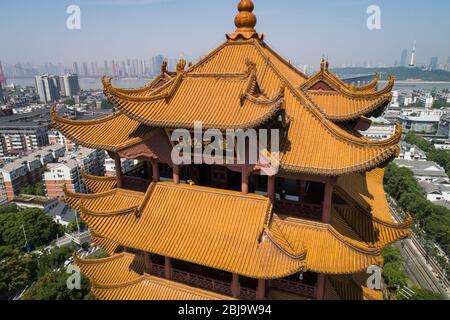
(301, 30)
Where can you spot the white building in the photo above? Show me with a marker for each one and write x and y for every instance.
(424, 170)
(68, 171)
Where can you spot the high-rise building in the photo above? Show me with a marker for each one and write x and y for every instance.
(2, 95)
(433, 63)
(2, 75)
(105, 68)
(403, 58)
(48, 88)
(69, 85)
(157, 61)
(307, 227)
(76, 69)
(85, 69)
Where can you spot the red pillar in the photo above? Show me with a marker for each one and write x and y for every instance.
(235, 286)
(149, 169)
(155, 170)
(261, 289)
(148, 263)
(119, 176)
(327, 201)
(168, 268)
(176, 174)
(271, 188)
(244, 184)
(320, 286)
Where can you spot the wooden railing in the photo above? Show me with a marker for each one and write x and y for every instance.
(306, 210)
(203, 282)
(294, 287)
(136, 184)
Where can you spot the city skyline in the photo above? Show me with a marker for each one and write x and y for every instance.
(144, 28)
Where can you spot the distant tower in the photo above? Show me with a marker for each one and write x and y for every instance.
(413, 56)
(2, 75)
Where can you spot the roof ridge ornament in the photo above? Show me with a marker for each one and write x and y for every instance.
(245, 22)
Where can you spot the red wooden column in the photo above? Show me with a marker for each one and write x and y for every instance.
(235, 286)
(168, 268)
(271, 188)
(149, 169)
(320, 286)
(119, 175)
(261, 289)
(176, 174)
(244, 184)
(155, 170)
(328, 199)
(148, 263)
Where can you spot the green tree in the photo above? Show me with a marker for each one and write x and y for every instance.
(393, 271)
(39, 228)
(15, 273)
(8, 208)
(53, 286)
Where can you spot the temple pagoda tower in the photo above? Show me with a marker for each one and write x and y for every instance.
(309, 231)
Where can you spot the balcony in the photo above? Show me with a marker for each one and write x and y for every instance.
(301, 209)
(202, 282)
(297, 288)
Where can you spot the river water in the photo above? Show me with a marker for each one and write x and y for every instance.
(96, 84)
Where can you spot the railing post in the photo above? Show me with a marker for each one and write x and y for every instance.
(176, 174)
(327, 201)
(244, 184)
(235, 286)
(261, 289)
(320, 286)
(168, 268)
(155, 170)
(148, 263)
(271, 188)
(118, 167)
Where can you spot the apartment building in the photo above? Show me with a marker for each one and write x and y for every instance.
(55, 137)
(68, 171)
(23, 133)
(27, 170)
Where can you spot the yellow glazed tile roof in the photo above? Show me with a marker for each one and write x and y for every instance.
(153, 288)
(337, 106)
(327, 251)
(108, 246)
(242, 84)
(350, 287)
(116, 269)
(122, 277)
(111, 133)
(193, 224)
(365, 192)
(219, 102)
(286, 243)
(98, 184)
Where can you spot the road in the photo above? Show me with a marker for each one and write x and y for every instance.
(422, 273)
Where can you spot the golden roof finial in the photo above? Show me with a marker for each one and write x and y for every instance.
(245, 22)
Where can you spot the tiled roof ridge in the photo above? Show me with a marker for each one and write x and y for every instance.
(350, 139)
